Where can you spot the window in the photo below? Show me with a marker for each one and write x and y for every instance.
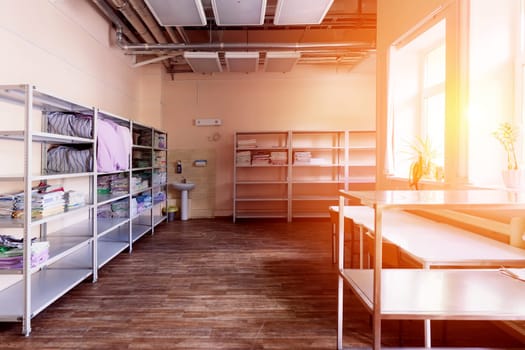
(494, 85)
(417, 101)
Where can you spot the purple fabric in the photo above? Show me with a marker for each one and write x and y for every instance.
(113, 146)
(16, 262)
(122, 157)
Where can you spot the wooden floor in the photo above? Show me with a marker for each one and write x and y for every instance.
(212, 284)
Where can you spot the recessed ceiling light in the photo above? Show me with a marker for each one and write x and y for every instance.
(290, 12)
(178, 12)
(203, 62)
(239, 12)
(242, 61)
(280, 61)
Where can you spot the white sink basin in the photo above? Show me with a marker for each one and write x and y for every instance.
(183, 186)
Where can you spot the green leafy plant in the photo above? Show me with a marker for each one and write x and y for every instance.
(507, 135)
(423, 166)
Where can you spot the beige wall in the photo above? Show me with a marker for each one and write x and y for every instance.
(306, 99)
(63, 47)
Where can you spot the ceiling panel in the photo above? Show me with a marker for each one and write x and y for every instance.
(295, 12)
(244, 62)
(239, 12)
(280, 61)
(178, 12)
(203, 62)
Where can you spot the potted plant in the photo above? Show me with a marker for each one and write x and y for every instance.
(507, 135)
(423, 166)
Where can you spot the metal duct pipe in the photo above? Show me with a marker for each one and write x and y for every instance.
(136, 22)
(241, 46)
(109, 13)
(173, 35)
(145, 15)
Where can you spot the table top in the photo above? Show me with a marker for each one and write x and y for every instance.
(434, 243)
(459, 294)
(451, 199)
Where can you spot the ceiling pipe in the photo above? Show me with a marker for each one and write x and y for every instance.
(136, 22)
(110, 13)
(173, 36)
(155, 60)
(145, 15)
(240, 46)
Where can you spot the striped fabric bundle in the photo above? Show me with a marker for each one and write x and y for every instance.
(64, 159)
(70, 124)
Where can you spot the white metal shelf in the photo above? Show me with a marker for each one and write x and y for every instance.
(103, 199)
(317, 148)
(66, 212)
(315, 198)
(263, 148)
(112, 244)
(142, 147)
(269, 182)
(76, 251)
(157, 219)
(318, 165)
(41, 100)
(141, 169)
(43, 137)
(310, 214)
(106, 225)
(47, 285)
(261, 199)
(265, 215)
(313, 181)
(331, 167)
(263, 166)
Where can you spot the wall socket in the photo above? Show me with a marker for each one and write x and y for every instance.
(208, 122)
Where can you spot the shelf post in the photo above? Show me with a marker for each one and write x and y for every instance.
(378, 265)
(340, 265)
(28, 161)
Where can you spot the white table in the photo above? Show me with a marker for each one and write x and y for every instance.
(460, 295)
(433, 243)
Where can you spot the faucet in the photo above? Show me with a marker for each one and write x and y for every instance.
(183, 180)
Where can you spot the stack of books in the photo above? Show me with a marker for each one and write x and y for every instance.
(48, 203)
(247, 143)
(244, 158)
(278, 158)
(302, 157)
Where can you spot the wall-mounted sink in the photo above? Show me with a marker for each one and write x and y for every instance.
(184, 187)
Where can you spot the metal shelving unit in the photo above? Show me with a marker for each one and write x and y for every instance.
(72, 246)
(80, 241)
(317, 165)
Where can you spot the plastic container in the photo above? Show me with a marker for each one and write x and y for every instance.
(172, 212)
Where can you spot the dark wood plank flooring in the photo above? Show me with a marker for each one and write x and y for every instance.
(213, 284)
